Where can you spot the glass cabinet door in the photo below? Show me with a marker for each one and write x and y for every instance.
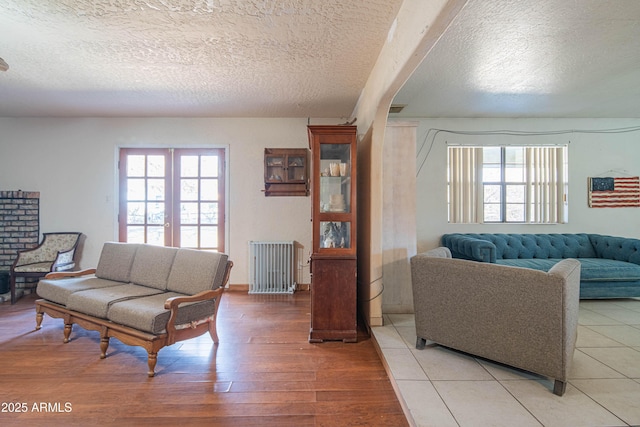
(335, 234)
(335, 179)
(296, 168)
(274, 171)
(335, 196)
(334, 190)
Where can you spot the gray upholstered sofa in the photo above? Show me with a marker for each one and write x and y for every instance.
(610, 265)
(524, 318)
(150, 296)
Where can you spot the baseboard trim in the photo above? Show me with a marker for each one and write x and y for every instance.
(241, 287)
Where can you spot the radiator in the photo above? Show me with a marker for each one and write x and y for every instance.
(271, 269)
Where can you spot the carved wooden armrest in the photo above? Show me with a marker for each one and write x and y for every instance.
(61, 274)
(173, 303)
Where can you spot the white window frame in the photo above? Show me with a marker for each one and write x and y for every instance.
(545, 181)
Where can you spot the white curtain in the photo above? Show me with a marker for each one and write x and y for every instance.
(545, 184)
(465, 184)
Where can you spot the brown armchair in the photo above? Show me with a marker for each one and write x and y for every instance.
(56, 252)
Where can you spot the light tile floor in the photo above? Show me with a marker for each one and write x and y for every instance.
(441, 387)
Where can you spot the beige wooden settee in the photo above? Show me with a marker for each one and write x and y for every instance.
(520, 317)
(144, 295)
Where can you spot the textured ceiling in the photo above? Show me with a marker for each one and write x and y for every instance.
(311, 58)
(543, 58)
(224, 58)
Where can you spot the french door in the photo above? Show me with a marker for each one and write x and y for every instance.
(172, 197)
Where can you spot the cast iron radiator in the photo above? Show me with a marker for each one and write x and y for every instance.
(271, 269)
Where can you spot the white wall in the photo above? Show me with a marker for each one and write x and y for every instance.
(72, 163)
(590, 155)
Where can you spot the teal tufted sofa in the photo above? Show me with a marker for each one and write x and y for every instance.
(610, 266)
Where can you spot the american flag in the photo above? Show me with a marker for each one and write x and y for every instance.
(614, 192)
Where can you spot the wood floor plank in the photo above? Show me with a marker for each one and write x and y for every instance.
(264, 372)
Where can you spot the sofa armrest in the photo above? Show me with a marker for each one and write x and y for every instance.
(64, 258)
(174, 302)
(467, 247)
(617, 248)
(63, 274)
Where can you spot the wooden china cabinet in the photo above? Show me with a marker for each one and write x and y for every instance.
(333, 260)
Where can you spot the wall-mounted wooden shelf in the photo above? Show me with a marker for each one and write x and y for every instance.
(286, 172)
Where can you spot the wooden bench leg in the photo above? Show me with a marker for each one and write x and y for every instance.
(213, 332)
(151, 361)
(104, 345)
(39, 317)
(67, 332)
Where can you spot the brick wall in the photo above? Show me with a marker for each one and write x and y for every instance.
(19, 225)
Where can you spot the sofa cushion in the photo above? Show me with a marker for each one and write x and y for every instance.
(533, 263)
(96, 302)
(195, 271)
(599, 269)
(592, 269)
(148, 313)
(59, 290)
(36, 267)
(115, 261)
(151, 266)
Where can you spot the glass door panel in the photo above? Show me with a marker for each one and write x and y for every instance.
(172, 197)
(296, 169)
(275, 170)
(200, 192)
(335, 182)
(335, 234)
(145, 208)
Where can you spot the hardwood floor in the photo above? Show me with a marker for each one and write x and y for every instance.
(264, 372)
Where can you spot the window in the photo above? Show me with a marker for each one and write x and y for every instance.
(173, 197)
(507, 184)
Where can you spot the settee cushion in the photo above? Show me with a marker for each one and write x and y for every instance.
(148, 313)
(533, 263)
(59, 290)
(610, 270)
(151, 266)
(115, 261)
(592, 269)
(36, 267)
(195, 271)
(96, 302)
